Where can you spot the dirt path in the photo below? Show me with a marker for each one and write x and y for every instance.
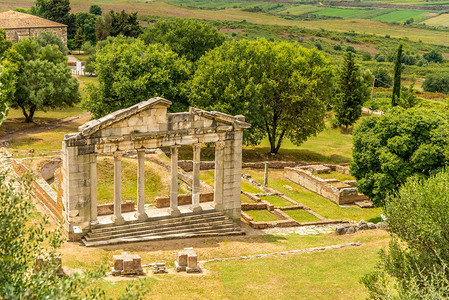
(43, 127)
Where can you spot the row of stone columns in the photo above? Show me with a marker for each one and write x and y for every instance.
(174, 210)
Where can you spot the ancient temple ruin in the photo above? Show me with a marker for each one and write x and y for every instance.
(147, 125)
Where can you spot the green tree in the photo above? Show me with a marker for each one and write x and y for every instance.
(436, 83)
(130, 72)
(103, 27)
(20, 243)
(408, 97)
(353, 91)
(79, 38)
(383, 78)
(58, 11)
(390, 148)
(416, 265)
(43, 80)
(433, 56)
(125, 24)
(187, 37)
(86, 22)
(49, 38)
(95, 10)
(281, 88)
(397, 78)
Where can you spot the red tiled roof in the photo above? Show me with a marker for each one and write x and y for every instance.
(13, 19)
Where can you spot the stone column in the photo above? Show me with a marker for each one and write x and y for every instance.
(118, 218)
(218, 178)
(196, 187)
(141, 214)
(174, 210)
(265, 176)
(93, 190)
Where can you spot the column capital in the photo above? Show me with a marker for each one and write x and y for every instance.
(219, 145)
(197, 146)
(140, 152)
(175, 146)
(118, 154)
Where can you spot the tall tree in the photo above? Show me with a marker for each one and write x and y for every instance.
(95, 10)
(190, 38)
(416, 265)
(353, 90)
(397, 77)
(390, 148)
(43, 80)
(125, 24)
(280, 88)
(130, 72)
(103, 27)
(58, 11)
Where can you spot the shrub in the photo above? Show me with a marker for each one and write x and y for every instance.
(380, 57)
(422, 63)
(383, 78)
(350, 49)
(366, 56)
(395, 146)
(337, 47)
(88, 48)
(318, 45)
(433, 56)
(436, 83)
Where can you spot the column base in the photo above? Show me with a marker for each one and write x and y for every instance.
(174, 212)
(197, 209)
(118, 220)
(141, 217)
(94, 222)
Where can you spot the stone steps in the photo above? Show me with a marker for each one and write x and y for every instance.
(201, 225)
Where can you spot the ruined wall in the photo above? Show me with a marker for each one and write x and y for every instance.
(15, 35)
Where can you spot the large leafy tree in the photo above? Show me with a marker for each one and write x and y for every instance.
(187, 37)
(416, 265)
(389, 149)
(58, 11)
(280, 88)
(85, 22)
(25, 234)
(43, 79)
(130, 72)
(353, 91)
(125, 24)
(49, 38)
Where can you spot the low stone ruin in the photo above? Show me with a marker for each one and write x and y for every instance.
(332, 189)
(44, 262)
(362, 225)
(159, 268)
(187, 260)
(127, 264)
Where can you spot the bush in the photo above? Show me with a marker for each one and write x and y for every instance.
(395, 146)
(380, 57)
(436, 83)
(88, 48)
(416, 265)
(433, 56)
(409, 59)
(350, 49)
(383, 78)
(318, 45)
(337, 47)
(366, 56)
(422, 63)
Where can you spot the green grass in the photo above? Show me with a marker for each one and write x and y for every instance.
(276, 201)
(248, 187)
(335, 175)
(262, 215)
(345, 13)
(155, 186)
(402, 15)
(301, 215)
(318, 204)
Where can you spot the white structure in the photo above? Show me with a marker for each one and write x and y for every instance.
(147, 125)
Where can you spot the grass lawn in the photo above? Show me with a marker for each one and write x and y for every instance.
(156, 181)
(332, 274)
(262, 215)
(301, 215)
(276, 201)
(248, 187)
(335, 175)
(318, 204)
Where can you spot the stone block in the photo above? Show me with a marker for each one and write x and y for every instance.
(182, 259)
(192, 261)
(128, 266)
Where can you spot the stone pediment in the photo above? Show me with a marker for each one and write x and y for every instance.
(151, 118)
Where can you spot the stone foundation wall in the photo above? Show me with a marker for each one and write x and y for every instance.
(182, 199)
(43, 192)
(341, 193)
(108, 209)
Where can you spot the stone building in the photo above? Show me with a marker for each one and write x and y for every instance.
(19, 25)
(147, 125)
